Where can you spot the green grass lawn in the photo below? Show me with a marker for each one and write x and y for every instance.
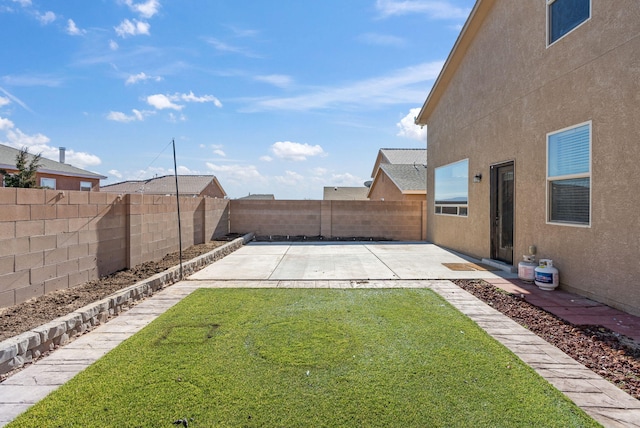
(308, 358)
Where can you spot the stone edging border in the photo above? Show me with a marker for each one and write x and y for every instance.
(27, 347)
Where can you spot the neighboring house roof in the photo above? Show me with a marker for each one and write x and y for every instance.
(345, 193)
(399, 156)
(48, 166)
(465, 38)
(409, 179)
(188, 185)
(405, 156)
(267, 197)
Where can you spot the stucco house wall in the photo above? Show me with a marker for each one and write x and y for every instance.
(214, 190)
(502, 91)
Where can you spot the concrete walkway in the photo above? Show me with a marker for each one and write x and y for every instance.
(332, 265)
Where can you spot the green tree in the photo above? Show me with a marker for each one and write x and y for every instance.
(26, 175)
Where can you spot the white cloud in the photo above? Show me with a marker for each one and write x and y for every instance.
(79, 159)
(4, 101)
(407, 85)
(46, 18)
(73, 30)
(290, 178)
(5, 124)
(137, 115)
(266, 158)
(118, 116)
(18, 139)
(319, 171)
(135, 28)
(145, 174)
(346, 180)
(243, 32)
(288, 150)
(220, 153)
(15, 99)
(191, 98)
(183, 170)
(382, 39)
(434, 9)
(173, 118)
(39, 143)
(113, 45)
(279, 80)
(115, 173)
(409, 129)
(23, 3)
(146, 9)
(32, 80)
(141, 77)
(223, 47)
(236, 173)
(162, 102)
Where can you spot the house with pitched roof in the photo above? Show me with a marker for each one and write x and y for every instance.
(533, 142)
(399, 175)
(188, 185)
(52, 174)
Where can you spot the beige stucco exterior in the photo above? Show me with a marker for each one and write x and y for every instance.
(501, 92)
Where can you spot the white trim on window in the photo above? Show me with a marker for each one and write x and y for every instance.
(581, 175)
(86, 186)
(548, 23)
(48, 182)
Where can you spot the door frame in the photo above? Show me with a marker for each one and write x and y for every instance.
(493, 191)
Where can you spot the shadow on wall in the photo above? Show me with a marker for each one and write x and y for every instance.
(111, 234)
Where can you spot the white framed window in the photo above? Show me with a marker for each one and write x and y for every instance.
(569, 176)
(49, 183)
(85, 186)
(564, 16)
(451, 184)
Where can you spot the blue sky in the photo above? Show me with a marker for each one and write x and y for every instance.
(279, 96)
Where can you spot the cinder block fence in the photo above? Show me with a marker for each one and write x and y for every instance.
(50, 240)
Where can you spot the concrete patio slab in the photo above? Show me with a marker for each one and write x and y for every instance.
(339, 265)
(241, 266)
(349, 260)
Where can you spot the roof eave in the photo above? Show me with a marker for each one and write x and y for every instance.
(468, 32)
(71, 174)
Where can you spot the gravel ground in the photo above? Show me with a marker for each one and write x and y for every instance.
(610, 355)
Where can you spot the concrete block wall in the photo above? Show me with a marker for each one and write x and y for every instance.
(51, 239)
(395, 220)
(275, 217)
